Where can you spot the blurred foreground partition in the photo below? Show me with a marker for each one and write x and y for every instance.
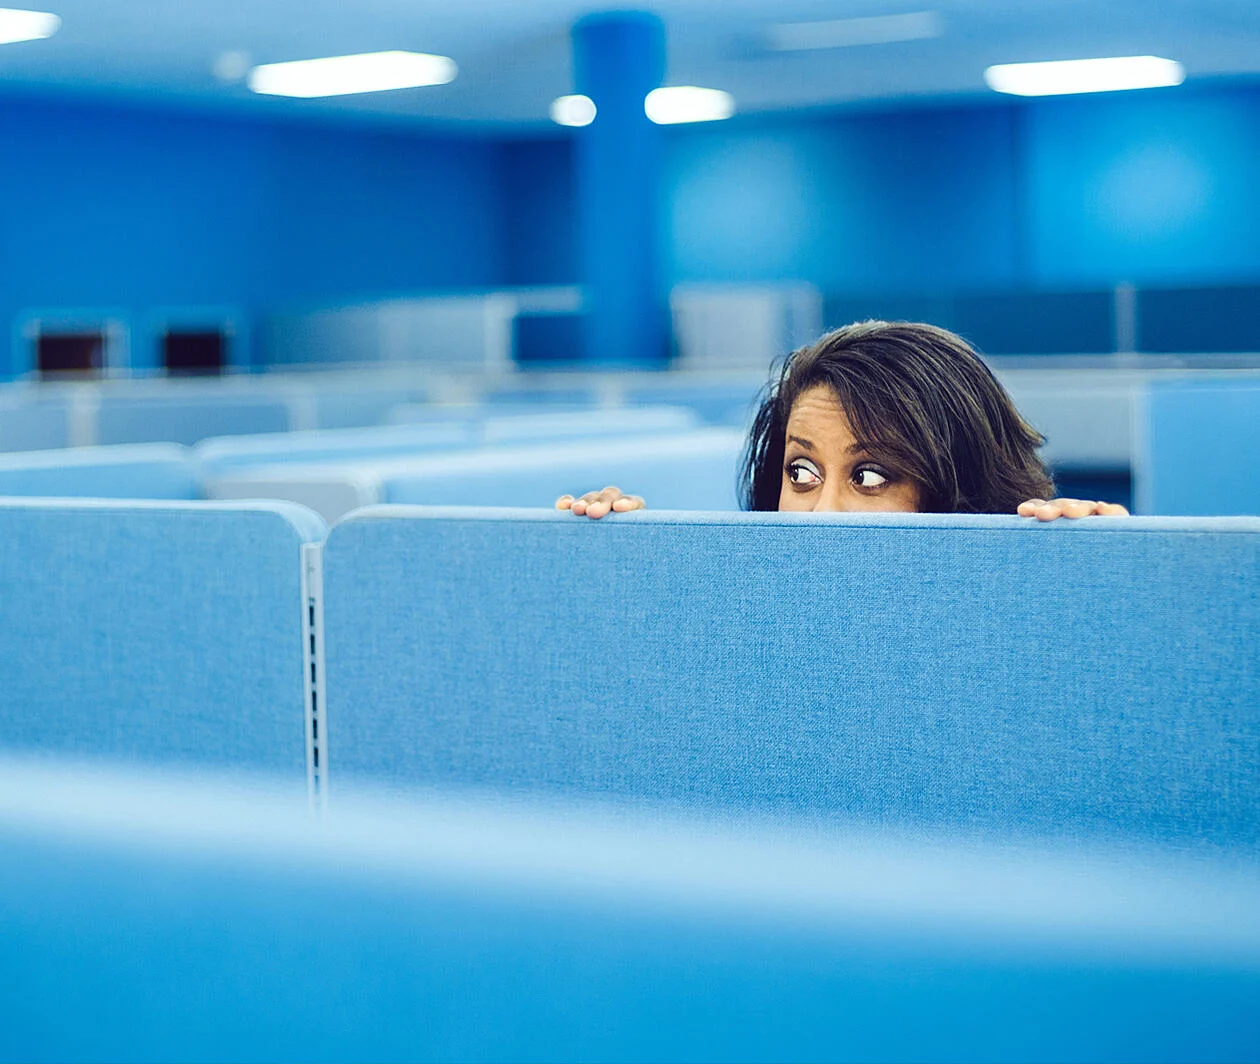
(1088, 679)
(160, 633)
(1198, 447)
(190, 919)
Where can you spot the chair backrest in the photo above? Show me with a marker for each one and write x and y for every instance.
(169, 920)
(138, 471)
(677, 470)
(1096, 677)
(158, 632)
(1198, 447)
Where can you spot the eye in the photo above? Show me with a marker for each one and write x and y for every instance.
(869, 477)
(803, 473)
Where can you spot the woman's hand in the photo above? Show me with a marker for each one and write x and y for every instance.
(1050, 510)
(596, 504)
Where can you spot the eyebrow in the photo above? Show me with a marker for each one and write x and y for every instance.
(854, 448)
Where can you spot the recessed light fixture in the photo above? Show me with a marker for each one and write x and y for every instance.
(849, 32)
(1085, 75)
(573, 110)
(688, 103)
(18, 25)
(342, 75)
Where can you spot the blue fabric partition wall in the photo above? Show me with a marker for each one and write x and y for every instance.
(31, 424)
(676, 470)
(1093, 678)
(181, 419)
(450, 429)
(1198, 447)
(696, 469)
(180, 920)
(224, 455)
(138, 471)
(156, 632)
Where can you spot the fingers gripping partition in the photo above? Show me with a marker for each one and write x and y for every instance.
(979, 673)
(160, 633)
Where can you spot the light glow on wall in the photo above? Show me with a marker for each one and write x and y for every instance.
(851, 32)
(573, 110)
(688, 103)
(1084, 75)
(344, 75)
(16, 25)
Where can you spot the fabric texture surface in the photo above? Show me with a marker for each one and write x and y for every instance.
(139, 471)
(1199, 448)
(155, 633)
(1090, 678)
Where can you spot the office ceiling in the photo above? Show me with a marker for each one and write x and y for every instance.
(514, 54)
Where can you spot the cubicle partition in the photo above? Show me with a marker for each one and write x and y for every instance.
(189, 920)
(1198, 447)
(1089, 679)
(137, 471)
(664, 786)
(160, 633)
(689, 469)
(443, 429)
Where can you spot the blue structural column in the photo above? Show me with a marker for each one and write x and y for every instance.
(618, 58)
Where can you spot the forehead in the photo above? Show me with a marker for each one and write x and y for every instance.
(818, 417)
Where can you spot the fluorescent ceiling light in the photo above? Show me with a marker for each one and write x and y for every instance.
(688, 103)
(341, 75)
(18, 25)
(1084, 75)
(848, 32)
(573, 110)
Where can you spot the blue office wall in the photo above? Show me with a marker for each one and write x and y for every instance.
(539, 211)
(1067, 193)
(130, 209)
(1150, 187)
(887, 201)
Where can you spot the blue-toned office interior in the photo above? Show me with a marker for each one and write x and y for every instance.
(676, 531)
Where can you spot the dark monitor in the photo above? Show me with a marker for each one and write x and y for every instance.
(193, 351)
(70, 354)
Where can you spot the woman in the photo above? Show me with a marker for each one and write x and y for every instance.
(885, 417)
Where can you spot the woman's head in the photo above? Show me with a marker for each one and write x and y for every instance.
(890, 416)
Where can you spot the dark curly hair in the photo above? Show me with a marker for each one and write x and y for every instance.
(920, 401)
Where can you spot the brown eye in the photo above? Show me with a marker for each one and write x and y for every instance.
(867, 477)
(804, 474)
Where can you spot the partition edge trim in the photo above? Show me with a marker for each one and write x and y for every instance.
(316, 706)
